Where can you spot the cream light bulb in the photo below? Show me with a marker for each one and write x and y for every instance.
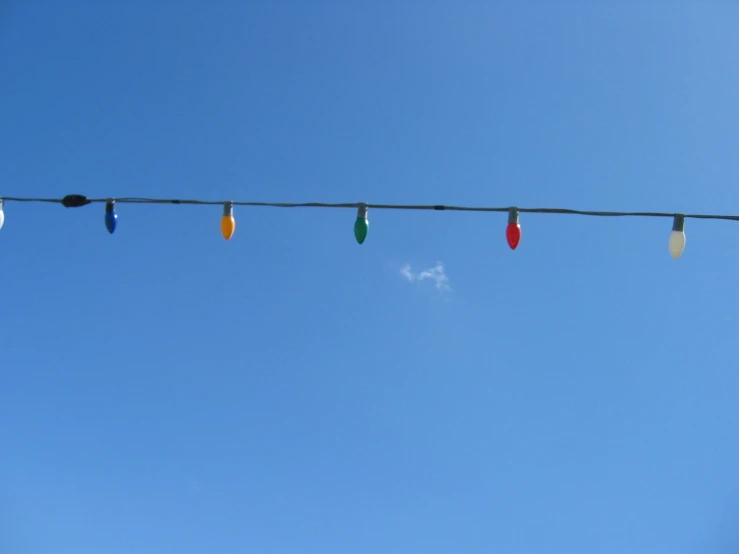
(676, 243)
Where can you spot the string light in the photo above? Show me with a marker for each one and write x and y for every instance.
(676, 243)
(111, 218)
(228, 222)
(361, 225)
(513, 231)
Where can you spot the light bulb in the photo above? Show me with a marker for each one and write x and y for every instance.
(111, 218)
(361, 225)
(677, 237)
(228, 223)
(2, 213)
(513, 231)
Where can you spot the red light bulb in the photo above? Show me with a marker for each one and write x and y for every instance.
(513, 231)
(513, 235)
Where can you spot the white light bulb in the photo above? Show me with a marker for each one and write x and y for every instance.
(677, 244)
(677, 237)
(2, 213)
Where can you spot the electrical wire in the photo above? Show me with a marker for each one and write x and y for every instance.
(79, 200)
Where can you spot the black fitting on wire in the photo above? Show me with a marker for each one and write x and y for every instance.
(75, 201)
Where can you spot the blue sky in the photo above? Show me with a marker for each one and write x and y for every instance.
(289, 391)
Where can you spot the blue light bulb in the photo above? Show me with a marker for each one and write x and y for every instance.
(111, 217)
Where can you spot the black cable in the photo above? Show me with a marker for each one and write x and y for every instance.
(76, 200)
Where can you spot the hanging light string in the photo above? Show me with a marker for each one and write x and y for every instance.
(73, 201)
(361, 225)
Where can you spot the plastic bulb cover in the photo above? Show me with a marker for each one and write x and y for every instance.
(228, 226)
(111, 219)
(677, 244)
(2, 217)
(361, 227)
(513, 235)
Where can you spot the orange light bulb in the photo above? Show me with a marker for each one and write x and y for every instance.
(228, 222)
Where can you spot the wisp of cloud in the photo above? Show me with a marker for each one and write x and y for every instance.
(437, 274)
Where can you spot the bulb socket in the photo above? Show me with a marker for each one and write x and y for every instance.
(678, 224)
(228, 209)
(110, 206)
(362, 211)
(512, 215)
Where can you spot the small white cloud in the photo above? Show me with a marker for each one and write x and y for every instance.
(437, 274)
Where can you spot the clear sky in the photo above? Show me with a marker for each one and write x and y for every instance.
(291, 392)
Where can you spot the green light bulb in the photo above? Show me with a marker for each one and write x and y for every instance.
(361, 225)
